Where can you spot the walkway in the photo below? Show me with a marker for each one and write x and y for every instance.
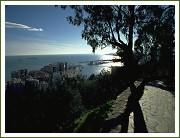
(158, 109)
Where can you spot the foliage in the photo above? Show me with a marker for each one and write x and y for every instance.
(106, 25)
(100, 88)
(57, 108)
(146, 29)
(92, 120)
(156, 42)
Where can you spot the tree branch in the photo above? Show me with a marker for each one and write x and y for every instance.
(118, 33)
(131, 26)
(118, 45)
(109, 23)
(115, 8)
(117, 27)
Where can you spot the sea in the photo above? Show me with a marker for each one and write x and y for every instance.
(36, 62)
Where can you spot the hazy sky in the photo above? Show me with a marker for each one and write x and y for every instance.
(35, 30)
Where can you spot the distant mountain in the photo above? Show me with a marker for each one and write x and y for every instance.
(114, 54)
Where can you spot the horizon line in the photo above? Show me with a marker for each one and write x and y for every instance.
(64, 54)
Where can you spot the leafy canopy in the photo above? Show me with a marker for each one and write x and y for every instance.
(125, 27)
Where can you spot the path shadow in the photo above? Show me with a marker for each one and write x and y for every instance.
(168, 85)
(139, 122)
(123, 119)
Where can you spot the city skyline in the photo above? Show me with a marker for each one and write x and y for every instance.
(43, 30)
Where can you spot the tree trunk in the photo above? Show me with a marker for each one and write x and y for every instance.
(131, 26)
(136, 93)
(130, 63)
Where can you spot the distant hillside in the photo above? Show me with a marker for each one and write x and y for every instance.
(114, 54)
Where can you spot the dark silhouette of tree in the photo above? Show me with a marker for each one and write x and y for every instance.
(127, 27)
(147, 29)
(139, 33)
(156, 42)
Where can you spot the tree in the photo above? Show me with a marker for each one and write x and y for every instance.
(127, 27)
(156, 42)
(107, 25)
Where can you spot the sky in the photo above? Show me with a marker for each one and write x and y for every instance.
(43, 30)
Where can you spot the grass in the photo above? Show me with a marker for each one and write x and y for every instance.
(91, 121)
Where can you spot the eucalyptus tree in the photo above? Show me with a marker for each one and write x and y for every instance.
(156, 38)
(147, 29)
(142, 30)
(125, 28)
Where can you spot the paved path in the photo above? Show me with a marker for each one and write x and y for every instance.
(158, 108)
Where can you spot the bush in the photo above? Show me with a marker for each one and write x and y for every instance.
(91, 121)
(57, 108)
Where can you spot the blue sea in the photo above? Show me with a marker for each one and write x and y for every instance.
(36, 62)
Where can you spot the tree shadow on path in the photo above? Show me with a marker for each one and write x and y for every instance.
(123, 119)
